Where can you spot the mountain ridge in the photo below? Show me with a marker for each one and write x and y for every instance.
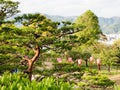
(108, 25)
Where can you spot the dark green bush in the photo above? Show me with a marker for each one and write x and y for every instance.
(67, 67)
(100, 81)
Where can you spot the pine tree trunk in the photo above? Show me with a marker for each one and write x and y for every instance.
(86, 62)
(31, 61)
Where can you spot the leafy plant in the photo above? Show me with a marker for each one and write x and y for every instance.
(98, 81)
(17, 81)
(116, 87)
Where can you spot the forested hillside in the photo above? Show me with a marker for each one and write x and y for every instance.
(108, 25)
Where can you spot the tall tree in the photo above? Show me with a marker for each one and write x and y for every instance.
(107, 57)
(92, 30)
(35, 30)
(116, 48)
(90, 34)
(47, 35)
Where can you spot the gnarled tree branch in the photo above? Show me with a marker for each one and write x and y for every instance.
(31, 61)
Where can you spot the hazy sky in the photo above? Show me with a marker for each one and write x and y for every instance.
(102, 8)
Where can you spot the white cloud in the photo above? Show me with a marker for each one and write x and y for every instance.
(104, 8)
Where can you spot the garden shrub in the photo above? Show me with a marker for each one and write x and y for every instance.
(92, 72)
(67, 67)
(98, 81)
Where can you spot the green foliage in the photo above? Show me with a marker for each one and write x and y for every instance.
(8, 9)
(51, 37)
(75, 55)
(109, 54)
(18, 82)
(92, 30)
(83, 86)
(99, 81)
(116, 87)
(116, 52)
(47, 33)
(35, 29)
(66, 67)
(92, 72)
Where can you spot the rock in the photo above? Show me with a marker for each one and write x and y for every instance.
(76, 73)
(48, 65)
(37, 77)
(64, 75)
(58, 75)
(40, 78)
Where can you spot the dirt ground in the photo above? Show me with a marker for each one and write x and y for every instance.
(115, 78)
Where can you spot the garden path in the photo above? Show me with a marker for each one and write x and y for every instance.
(115, 78)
